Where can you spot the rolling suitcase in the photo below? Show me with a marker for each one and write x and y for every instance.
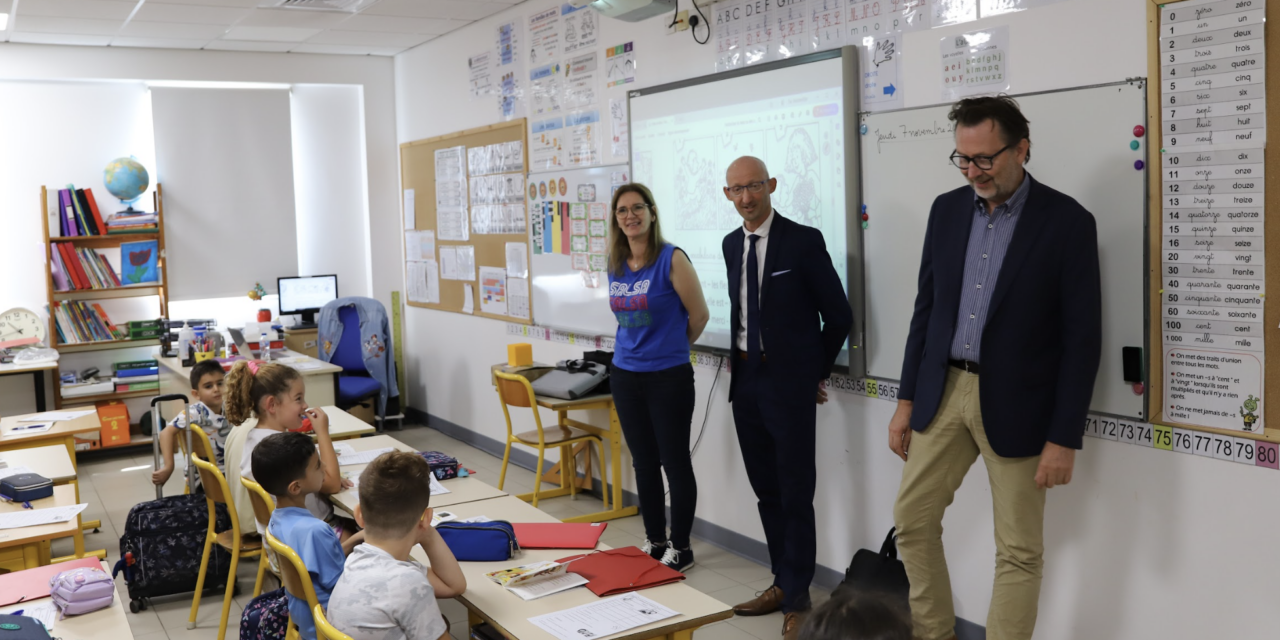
(164, 538)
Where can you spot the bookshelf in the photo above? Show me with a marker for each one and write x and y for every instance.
(159, 291)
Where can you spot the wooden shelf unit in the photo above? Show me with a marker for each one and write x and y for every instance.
(158, 290)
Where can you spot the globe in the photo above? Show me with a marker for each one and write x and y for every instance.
(126, 179)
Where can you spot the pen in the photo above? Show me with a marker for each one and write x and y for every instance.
(26, 505)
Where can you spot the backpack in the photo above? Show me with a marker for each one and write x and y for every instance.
(81, 590)
(266, 617)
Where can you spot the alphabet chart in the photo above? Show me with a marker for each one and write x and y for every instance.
(1212, 106)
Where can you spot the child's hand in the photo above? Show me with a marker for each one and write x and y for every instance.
(161, 476)
(319, 420)
(347, 484)
(428, 535)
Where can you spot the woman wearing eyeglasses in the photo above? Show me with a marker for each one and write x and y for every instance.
(656, 296)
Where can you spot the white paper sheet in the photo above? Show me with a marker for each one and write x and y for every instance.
(362, 457)
(45, 612)
(468, 299)
(35, 517)
(493, 290)
(7, 471)
(55, 416)
(451, 224)
(419, 245)
(433, 281)
(517, 260)
(450, 163)
(518, 298)
(548, 586)
(28, 428)
(466, 262)
(437, 488)
(423, 281)
(449, 262)
(410, 214)
(603, 617)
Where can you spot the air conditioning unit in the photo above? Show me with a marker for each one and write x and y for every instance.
(628, 10)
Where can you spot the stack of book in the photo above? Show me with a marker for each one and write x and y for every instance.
(80, 321)
(144, 329)
(81, 268)
(138, 375)
(78, 213)
(140, 222)
(92, 387)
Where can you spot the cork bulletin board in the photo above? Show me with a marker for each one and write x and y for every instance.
(418, 173)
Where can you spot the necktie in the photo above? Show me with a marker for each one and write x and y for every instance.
(753, 303)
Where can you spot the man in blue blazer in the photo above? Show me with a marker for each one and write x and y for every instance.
(790, 317)
(1000, 362)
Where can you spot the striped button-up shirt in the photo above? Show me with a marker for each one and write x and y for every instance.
(989, 238)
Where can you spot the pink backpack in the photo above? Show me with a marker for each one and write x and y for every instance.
(81, 590)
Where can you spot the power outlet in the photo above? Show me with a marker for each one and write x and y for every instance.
(681, 23)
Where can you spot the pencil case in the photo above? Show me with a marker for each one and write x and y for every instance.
(492, 541)
(25, 487)
(443, 466)
(81, 590)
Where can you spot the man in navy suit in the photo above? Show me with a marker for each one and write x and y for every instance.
(1000, 362)
(790, 317)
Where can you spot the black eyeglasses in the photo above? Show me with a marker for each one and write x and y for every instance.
(984, 162)
(638, 208)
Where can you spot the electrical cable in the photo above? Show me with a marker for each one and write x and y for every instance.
(705, 414)
(693, 28)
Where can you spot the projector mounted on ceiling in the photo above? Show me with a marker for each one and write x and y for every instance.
(628, 10)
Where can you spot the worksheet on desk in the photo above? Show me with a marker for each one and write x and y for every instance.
(36, 517)
(603, 618)
(55, 416)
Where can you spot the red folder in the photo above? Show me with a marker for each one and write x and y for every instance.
(33, 584)
(617, 571)
(559, 535)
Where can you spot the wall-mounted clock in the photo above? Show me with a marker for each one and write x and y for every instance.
(21, 327)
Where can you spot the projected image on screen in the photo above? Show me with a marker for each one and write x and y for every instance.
(684, 139)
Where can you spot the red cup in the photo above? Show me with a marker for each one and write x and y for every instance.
(264, 315)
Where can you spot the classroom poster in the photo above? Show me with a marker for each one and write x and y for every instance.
(584, 138)
(580, 30)
(828, 24)
(546, 148)
(582, 81)
(507, 68)
(881, 72)
(728, 20)
(620, 145)
(757, 31)
(790, 22)
(948, 12)
(544, 37)
(546, 90)
(871, 17)
(493, 290)
(975, 63)
(479, 68)
(620, 65)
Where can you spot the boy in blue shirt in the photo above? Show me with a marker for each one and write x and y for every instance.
(288, 467)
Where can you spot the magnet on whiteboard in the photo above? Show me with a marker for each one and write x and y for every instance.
(1133, 144)
(1138, 388)
(1138, 131)
(864, 225)
(1138, 164)
(863, 129)
(1162, 291)
(865, 217)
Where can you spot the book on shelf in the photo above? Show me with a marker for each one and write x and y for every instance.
(90, 388)
(122, 387)
(78, 215)
(137, 364)
(79, 268)
(144, 324)
(152, 373)
(77, 321)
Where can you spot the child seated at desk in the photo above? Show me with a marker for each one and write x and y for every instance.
(207, 384)
(288, 467)
(276, 395)
(383, 594)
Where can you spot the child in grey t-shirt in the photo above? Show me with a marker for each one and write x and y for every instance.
(383, 594)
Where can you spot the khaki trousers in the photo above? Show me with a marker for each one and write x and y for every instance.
(937, 460)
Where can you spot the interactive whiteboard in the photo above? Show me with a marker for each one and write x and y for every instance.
(1080, 145)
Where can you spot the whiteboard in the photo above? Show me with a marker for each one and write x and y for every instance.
(1079, 146)
(562, 298)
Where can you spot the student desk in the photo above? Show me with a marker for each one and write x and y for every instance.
(321, 379)
(61, 435)
(342, 425)
(487, 602)
(461, 490)
(37, 376)
(103, 623)
(51, 461)
(30, 545)
(611, 435)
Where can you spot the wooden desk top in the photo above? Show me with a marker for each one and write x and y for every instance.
(63, 495)
(512, 614)
(103, 623)
(341, 425)
(59, 431)
(12, 367)
(319, 367)
(52, 462)
(461, 490)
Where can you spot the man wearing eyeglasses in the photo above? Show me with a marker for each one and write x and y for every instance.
(790, 316)
(1000, 362)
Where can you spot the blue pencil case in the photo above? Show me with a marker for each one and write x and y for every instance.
(25, 487)
(492, 541)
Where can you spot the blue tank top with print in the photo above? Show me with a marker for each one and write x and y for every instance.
(652, 321)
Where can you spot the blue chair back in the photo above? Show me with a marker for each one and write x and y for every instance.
(349, 355)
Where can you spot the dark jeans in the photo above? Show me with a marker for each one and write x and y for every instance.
(656, 411)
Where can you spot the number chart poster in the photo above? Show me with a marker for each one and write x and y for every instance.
(1212, 102)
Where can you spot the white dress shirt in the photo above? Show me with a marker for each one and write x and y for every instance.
(761, 245)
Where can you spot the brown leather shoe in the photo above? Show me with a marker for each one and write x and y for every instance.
(791, 624)
(765, 603)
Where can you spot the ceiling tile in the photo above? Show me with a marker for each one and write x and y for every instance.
(172, 30)
(93, 9)
(294, 18)
(75, 26)
(190, 14)
(392, 24)
(249, 45)
(276, 34)
(369, 38)
(212, 3)
(346, 50)
(157, 43)
(456, 9)
(60, 38)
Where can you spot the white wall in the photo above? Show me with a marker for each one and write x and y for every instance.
(1142, 544)
(73, 128)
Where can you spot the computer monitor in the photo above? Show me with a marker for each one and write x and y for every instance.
(305, 296)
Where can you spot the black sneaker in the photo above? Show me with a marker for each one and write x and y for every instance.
(679, 559)
(654, 549)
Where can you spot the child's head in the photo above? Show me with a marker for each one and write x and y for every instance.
(395, 490)
(273, 392)
(857, 616)
(287, 465)
(207, 383)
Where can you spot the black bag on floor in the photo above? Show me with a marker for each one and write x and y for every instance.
(166, 540)
(881, 573)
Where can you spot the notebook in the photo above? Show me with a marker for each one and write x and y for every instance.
(559, 535)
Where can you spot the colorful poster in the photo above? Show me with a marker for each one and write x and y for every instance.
(584, 138)
(581, 81)
(620, 65)
(881, 72)
(544, 37)
(975, 63)
(480, 70)
(493, 290)
(546, 90)
(546, 151)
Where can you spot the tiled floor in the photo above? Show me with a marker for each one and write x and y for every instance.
(113, 484)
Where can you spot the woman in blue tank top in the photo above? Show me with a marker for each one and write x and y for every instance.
(656, 296)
